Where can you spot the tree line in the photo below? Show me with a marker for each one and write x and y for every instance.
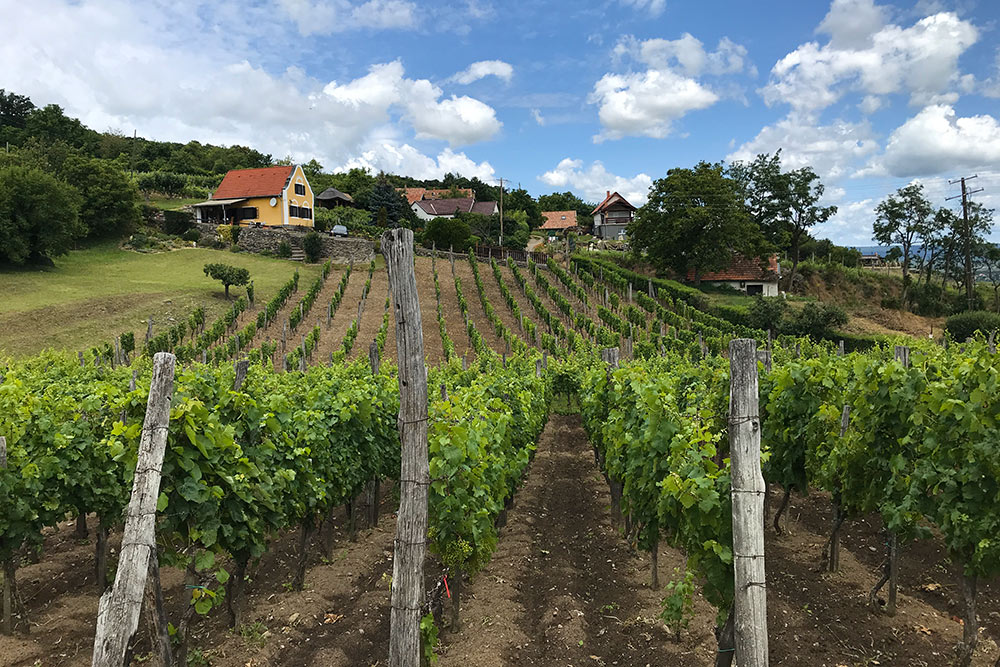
(696, 219)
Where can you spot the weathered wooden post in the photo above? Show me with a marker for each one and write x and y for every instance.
(119, 608)
(750, 602)
(79, 355)
(149, 329)
(840, 348)
(8, 565)
(284, 334)
(649, 286)
(411, 524)
(241, 373)
(902, 354)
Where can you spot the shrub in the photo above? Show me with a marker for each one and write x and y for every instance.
(312, 246)
(738, 315)
(191, 235)
(177, 222)
(446, 233)
(284, 250)
(766, 314)
(966, 324)
(816, 320)
(235, 234)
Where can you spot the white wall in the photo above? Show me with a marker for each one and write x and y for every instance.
(770, 288)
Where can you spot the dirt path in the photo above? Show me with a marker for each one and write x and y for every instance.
(562, 588)
(371, 319)
(453, 322)
(499, 303)
(471, 294)
(331, 339)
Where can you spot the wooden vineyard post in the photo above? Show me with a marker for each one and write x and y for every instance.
(241, 373)
(750, 601)
(410, 545)
(838, 511)
(612, 356)
(119, 608)
(8, 592)
(373, 362)
(903, 356)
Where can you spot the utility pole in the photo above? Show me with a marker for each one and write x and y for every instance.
(501, 211)
(969, 277)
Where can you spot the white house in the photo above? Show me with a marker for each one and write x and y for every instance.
(428, 209)
(746, 275)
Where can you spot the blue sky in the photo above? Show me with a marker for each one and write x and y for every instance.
(552, 96)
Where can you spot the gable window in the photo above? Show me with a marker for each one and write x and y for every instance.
(300, 189)
(293, 211)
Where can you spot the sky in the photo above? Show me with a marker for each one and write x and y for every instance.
(549, 96)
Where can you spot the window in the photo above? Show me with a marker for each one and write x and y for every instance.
(300, 189)
(305, 212)
(248, 213)
(293, 211)
(755, 289)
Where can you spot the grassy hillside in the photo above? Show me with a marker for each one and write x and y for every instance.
(94, 294)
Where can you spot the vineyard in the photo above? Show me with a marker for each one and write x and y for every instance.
(580, 493)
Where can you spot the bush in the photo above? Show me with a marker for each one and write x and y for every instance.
(235, 234)
(446, 233)
(191, 235)
(766, 314)
(738, 315)
(816, 320)
(177, 222)
(284, 250)
(964, 325)
(312, 246)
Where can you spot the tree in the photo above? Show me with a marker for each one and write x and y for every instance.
(39, 215)
(800, 193)
(14, 111)
(110, 204)
(227, 275)
(384, 196)
(50, 124)
(447, 233)
(520, 200)
(903, 218)
(695, 220)
(765, 192)
(987, 255)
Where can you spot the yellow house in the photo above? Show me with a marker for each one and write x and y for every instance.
(272, 196)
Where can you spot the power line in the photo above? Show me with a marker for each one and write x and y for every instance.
(969, 291)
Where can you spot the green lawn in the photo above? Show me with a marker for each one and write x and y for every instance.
(94, 294)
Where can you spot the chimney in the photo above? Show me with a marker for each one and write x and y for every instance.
(607, 193)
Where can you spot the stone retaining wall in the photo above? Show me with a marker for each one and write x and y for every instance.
(260, 239)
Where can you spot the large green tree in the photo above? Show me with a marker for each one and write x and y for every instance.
(695, 220)
(383, 196)
(903, 219)
(520, 200)
(38, 215)
(110, 204)
(801, 198)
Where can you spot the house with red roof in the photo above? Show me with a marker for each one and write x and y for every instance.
(747, 275)
(559, 222)
(271, 196)
(428, 209)
(612, 216)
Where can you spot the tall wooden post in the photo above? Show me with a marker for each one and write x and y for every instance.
(241, 373)
(119, 608)
(8, 580)
(750, 603)
(411, 524)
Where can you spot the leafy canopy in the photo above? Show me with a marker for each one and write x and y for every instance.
(227, 275)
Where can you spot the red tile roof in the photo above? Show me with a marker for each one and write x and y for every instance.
(742, 268)
(559, 220)
(445, 206)
(265, 182)
(420, 194)
(612, 199)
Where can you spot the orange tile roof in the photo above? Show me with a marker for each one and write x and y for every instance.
(742, 268)
(412, 194)
(559, 220)
(265, 182)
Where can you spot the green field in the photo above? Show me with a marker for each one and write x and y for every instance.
(95, 294)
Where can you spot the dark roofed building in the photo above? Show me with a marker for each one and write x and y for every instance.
(427, 209)
(612, 216)
(746, 275)
(332, 197)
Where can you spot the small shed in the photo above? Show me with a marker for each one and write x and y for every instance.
(747, 275)
(332, 198)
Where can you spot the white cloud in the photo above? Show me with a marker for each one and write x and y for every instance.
(936, 140)
(405, 159)
(482, 69)
(647, 103)
(687, 54)
(653, 7)
(114, 64)
(537, 115)
(323, 17)
(593, 182)
(852, 224)
(991, 86)
(863, 55)
(852, 23)
(831, 150)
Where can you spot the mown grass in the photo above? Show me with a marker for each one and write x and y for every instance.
(173, 203)
(92, 295)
